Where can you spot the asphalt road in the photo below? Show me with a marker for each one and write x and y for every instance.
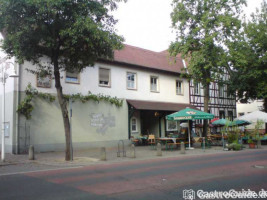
(164, 178)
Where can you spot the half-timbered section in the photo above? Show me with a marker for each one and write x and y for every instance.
(221, 104)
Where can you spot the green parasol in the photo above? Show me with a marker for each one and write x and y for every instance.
(189, 114)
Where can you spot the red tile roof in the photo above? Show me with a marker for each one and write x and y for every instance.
(148, 59)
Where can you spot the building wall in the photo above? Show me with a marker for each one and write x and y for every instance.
(93, 125)
(89, 82)
(89, 125)
(10, 99)
(245, 108)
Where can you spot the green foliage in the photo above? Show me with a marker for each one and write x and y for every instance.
(25, 107)
(99, 97)
(232, 137)
(204, 28)
(250, 141)
(237, 147)
(72, 33)
(250, 55)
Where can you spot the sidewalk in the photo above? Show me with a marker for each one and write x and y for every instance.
(92, 156)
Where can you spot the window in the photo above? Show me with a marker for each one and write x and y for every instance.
(179, 87)
(221, 91)
(104, 77)
(221, 114)
(171, 125)
(72, 77)
(241, 114)
(134, 125)
(197, 88)
(131, 80)
(154, 85)
(230, 115)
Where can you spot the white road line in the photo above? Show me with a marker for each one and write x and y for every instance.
(44, 170)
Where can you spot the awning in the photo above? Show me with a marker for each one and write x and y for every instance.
(158, 106)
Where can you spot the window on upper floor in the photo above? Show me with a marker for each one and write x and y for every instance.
(241, 114)
(197, 88)
(104, 77)
(131, 81)
(134, 124)
(72, 77)
(154, 84)
(179, 87)
(221, 91)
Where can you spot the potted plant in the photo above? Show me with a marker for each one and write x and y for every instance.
(251, 144)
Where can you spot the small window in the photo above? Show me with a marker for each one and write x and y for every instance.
(154, 85)
(221, 114)
(104, 77)
(72, 77)
(131, 80)
(171, 125)
(197, 88)
(134, 125)
(230, 115)
(221, 91)
(179, 87)
(241, 114)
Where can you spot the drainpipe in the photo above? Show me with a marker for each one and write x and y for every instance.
(18, 87)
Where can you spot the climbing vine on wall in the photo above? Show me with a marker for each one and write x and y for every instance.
(25, 107)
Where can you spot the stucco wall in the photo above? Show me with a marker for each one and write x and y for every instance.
(89, 82)
(93, 125)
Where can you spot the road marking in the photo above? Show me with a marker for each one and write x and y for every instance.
(43, 170)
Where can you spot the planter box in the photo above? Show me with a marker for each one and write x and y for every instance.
(251, 145)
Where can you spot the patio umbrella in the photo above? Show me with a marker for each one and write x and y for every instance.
(222, 122)
(189, 114)
(241, 122)
(213, 120)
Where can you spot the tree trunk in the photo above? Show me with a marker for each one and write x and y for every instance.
(206, 108)
(64, 110)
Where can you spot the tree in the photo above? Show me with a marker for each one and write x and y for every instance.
(72, 34)
(204, 28)
(249, 72)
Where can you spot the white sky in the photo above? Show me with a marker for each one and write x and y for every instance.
(147, 23)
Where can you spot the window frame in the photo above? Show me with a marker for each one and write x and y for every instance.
(221, 90)
(157, 85)
(109, 78)
(182, 87)
(72, 82)
(197, 86)
(135, 80)
(167, 125)
(136, 127)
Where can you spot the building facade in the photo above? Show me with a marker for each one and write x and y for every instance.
(147, 82)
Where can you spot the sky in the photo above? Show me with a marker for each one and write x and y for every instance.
(147, 24)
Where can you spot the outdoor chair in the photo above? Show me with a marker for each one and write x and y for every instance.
(151, 141)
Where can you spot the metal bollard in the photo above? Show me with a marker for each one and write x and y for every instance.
(31, 152)
(133, 155)
(103, 155)
(159, 151)
(182, 148)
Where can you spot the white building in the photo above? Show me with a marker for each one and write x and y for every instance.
(148, 83)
